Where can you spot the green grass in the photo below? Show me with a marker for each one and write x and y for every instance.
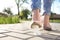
(9, 20)
(15, 19)
(52, 21)
(55, 21)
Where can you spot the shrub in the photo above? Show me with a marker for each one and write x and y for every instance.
(9, 20)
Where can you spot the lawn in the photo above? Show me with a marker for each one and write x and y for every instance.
(52, 21)
(55, 21)
(15, 19)
(9, 20)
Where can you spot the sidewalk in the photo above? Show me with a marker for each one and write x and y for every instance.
(22, 31)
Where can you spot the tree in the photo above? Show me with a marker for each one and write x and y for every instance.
(8, 10)
(24, 13)
(19, 3)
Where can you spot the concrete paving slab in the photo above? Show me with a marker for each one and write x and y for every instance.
(1, 31)
(48, 36)
(9, 38)
(1, 35)
(54, 33)
(18, 35)
(22, 31)
(36, 38)
(58, 38)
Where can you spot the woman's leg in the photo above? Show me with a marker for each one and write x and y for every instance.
(36, 5)
(36, 16)
(46, 21)
(47, 9)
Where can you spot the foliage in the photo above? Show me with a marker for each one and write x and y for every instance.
(8, 11)
(55, 21)
(9, 20)
(24, 14)
(19, 3)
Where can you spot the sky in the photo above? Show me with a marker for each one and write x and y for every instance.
(56, 6)
(11, 4)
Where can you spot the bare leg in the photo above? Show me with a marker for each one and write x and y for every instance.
(46, 23)
(47, 9)
(46, 20)
(36, 16)
(36, 19)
